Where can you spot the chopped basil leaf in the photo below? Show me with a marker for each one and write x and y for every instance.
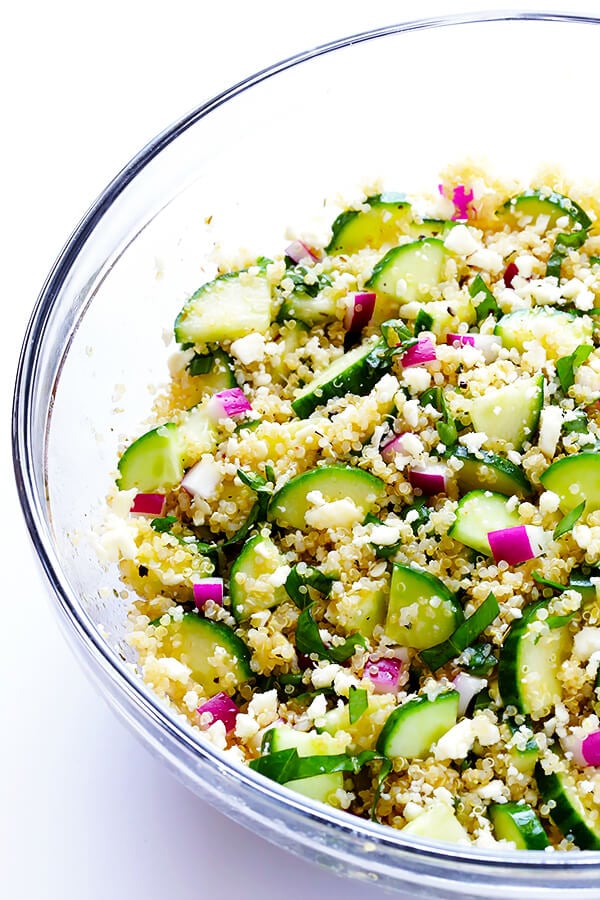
(423, 511)
(395, 332)
(562, 245)
(446, 427)
(567, 365)
(312, 289)
(594, 260)
(358, 702)
(200, 364)
(579, 424)
(423, 322)
(546, 582)
(567, 522)
(252, 480)
(163, 524)
(303, 577)
(286, 765)
(309, 640)
(488, 305)
(465, 634)
(479, 659)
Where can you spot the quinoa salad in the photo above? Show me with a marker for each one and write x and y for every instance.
(361, 539)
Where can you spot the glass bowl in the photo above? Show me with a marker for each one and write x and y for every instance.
(399, 103)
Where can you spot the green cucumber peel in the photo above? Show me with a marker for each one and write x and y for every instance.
(286, 765)
(309, 640)
(567, 522)
(298, 582)
(489, 305)
(465, 634)
(358, 702)
(566, 366)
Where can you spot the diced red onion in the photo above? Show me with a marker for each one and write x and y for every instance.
(221, 708)
(384, 672)
(208, 589)
(515, 545)
(461, 199)
(148, 504)
(590, 748)
(429, 479)
(228, 404)
(359, 311)
(420, 353)
(298, 251)
(572, 744)
(390, 447)
(488, 344)
(510, 272)
(201, 479)
(467, 686)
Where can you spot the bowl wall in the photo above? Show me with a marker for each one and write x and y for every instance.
(275, 152)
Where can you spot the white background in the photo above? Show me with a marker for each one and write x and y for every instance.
(84, 811)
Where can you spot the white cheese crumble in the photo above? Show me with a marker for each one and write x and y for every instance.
(460, 240)
(334, 514)
(249, 349)
(550, 427)
(586, 642)
(459, 740)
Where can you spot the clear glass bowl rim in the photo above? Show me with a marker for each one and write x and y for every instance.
(79, 627)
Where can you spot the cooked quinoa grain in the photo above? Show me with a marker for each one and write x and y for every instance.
(363, 535)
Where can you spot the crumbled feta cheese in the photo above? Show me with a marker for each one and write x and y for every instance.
(459, 740)
(550, 427)
(461, 240)
(317, 708)
(586, 642)
(416, 379)
(473, 441)
(486, 259)
(263, 707)
(246, 726)
(334, 514)
(323, 676)
(410, 411)
(385, 535)
(173, 668)
(249, 349)
(549, 502)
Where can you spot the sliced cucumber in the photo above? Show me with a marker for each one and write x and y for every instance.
(369, 608)
(517, 822)
(219, 660)
(510, 413)
(152, 461)
(317, 787)
(530, 661)
(568, 813)
(525, 760)
(536, 203)
(356, 372)
(311, 311)
(430, 228)
(575, 479)
(255, 581)
(422, 612)
(413, 728)
(364, 491)
(386, 218)
(212, 372)
(197, 434)
(227, 308)
(446, 316)
(581, 582)
(337, 720)
(293, 336)
(409, 272)
(478, 513)
(438, 823)
(559, 332)
(487, 471)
